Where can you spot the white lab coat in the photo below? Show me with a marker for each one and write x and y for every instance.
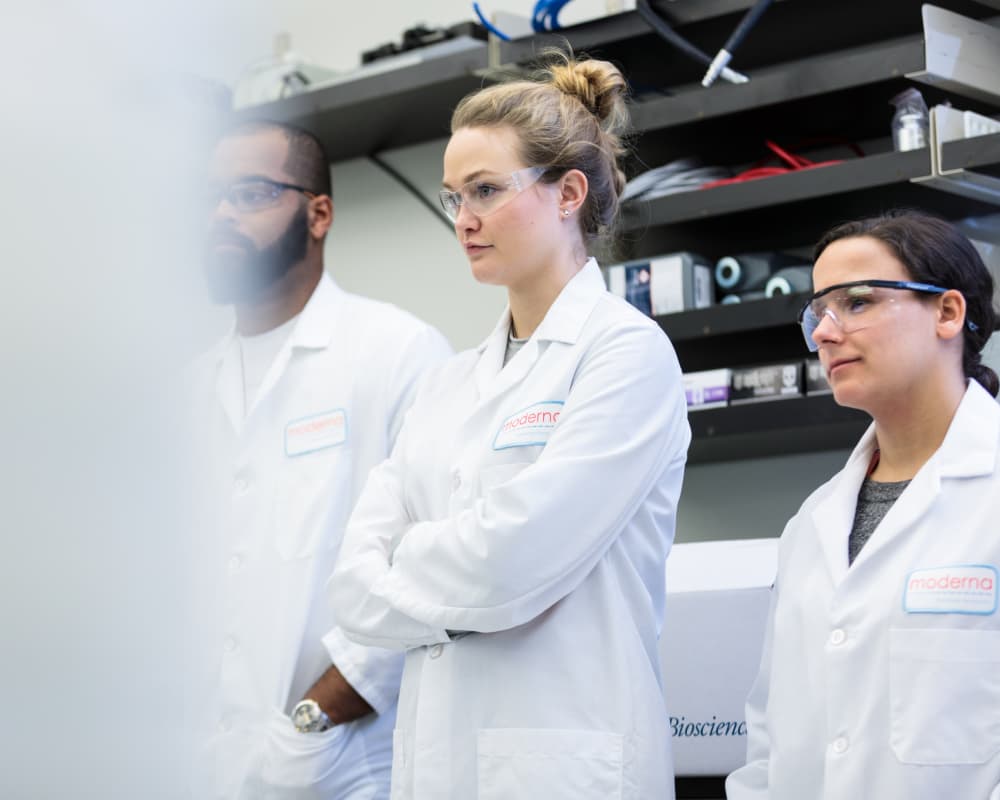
(869, 686)
(329, 410)
(546, 538)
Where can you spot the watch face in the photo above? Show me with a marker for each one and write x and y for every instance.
(306, 715)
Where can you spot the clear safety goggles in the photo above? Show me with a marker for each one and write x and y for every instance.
(487, 195)
(855, 305)
(253, 194)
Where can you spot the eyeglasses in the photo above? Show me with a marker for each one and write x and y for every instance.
(253, 195)
(486, 195)
(855, 305)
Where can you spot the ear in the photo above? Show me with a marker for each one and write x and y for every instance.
(573, 189)
(320, 213)
(950, 314)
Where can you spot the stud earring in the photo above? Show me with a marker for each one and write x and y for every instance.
(565, 212)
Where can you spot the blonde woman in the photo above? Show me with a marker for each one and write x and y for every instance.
(514, 543)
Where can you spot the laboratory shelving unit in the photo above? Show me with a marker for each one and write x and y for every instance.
(822, 74)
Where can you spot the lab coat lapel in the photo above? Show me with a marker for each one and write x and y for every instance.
(491, 353)
(833, 516)
(515, 369)
(968, 450)
(563, 322)
(314, 330)
(229, 381)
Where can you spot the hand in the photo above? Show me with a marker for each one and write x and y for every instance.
(337, 698)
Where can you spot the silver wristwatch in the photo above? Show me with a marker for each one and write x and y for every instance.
(308, 717)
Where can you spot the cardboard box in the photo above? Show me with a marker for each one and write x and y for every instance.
(707, 389)
(664, 284)
(718, 597)
(767, 382)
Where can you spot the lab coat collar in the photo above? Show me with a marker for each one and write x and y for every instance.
(969, 449)
(563, 322)
(315, 326)
(833, 515)
(318, 320)
(569, 313)
(970, 446)
(314, 330)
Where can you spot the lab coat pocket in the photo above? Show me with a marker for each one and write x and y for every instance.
(549, 764)
(301, 765)
(944, 691)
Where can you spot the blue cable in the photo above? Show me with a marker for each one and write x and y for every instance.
(545, 17)
(489, 25)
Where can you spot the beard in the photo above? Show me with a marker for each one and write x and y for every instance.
(246, 276)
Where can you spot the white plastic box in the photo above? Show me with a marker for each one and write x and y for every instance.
(707, 389)
(664, 284)
(718, 595)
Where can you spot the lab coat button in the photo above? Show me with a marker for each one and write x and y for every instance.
(838, 637)
(456, 480)
(241, 485)
(435, 650)
(230, 644)
(235, 563)
(840, 745)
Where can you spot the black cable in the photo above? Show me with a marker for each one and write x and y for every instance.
(658, 24)
(407, 184)
(748, 21)
(723, 57)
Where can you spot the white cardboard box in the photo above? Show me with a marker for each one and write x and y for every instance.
(718, 595)
(707, 389)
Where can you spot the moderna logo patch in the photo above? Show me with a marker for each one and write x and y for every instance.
(315, 432)
(529, 426)
(957, 589)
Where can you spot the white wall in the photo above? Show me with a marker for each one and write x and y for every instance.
(386, 244)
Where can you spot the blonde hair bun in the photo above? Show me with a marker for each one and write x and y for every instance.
(599, 85)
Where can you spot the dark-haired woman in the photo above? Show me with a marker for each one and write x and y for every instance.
(881, 670)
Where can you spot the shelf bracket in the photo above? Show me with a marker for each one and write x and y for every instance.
(964, 182)
(961, 55)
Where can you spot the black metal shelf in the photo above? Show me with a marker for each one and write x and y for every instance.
(774, 312)
(773, 428)
(791, 210)
(738, 335)
(875, 171)
(405, 100)
(701, 787)
(781, 83)
(981, 153)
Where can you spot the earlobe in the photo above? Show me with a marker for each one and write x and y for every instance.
(320, 216)
(573, 188)
(951, 314)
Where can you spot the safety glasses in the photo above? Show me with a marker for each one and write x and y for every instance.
(855, 305)
(488, 195)
(253, 194)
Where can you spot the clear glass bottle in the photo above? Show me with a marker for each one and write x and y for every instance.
(910, 123)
